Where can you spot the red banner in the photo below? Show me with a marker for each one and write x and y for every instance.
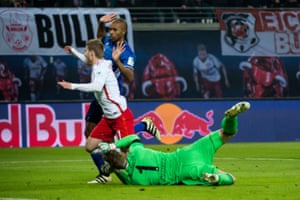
(249, 32)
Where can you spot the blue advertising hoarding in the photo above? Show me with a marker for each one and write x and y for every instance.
(62, 124)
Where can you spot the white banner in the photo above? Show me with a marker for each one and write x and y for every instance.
(252, 32)
(46, 31)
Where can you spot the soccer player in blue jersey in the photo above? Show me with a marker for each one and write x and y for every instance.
(116, 49)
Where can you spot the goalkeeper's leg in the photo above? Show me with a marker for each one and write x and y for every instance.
(230, 120)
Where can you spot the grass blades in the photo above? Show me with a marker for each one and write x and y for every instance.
(264, 171)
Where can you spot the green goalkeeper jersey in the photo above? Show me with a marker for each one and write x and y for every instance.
(184, 166)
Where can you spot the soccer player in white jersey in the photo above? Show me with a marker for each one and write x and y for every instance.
(116, 49)
(36, 68)
(208, 67)
(118, 119)
(60, 72)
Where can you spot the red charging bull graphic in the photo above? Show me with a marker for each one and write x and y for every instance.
(161, 80)
(264, 77)
(9, 84)
(175, 124)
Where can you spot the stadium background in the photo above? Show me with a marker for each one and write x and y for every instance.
(270, 119)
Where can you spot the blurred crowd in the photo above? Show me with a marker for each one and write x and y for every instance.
(152, 3)
(179, 11)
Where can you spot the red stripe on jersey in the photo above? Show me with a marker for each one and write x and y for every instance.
(111, 100)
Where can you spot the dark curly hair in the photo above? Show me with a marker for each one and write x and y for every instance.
(117, 160)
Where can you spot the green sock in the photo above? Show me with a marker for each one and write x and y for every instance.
(230, 125)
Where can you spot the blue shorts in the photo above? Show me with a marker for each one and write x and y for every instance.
(94, 113)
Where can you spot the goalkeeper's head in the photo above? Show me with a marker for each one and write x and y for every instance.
(117, 160)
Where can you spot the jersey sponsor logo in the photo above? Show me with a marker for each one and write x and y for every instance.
(130, 61)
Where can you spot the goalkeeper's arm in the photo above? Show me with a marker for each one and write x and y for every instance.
(122, 143)
(127, 141)
(123, 176)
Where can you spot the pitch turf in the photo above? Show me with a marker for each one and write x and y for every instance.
(264, 171)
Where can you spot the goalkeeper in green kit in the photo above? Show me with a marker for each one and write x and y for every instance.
(190, 165)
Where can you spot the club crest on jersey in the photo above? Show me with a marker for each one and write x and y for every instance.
(16, 30)
(240, 31)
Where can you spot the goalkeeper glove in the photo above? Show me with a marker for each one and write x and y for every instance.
(106, 147)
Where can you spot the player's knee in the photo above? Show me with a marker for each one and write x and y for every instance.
(88, 149)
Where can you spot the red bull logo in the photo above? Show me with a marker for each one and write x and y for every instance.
(175, 123)
(45, 125)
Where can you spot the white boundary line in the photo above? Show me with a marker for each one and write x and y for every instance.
(42, 161)
(10, 198)
(88, 160)
(262, 159)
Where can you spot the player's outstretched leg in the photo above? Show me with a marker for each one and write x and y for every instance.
(151, 128)
(238, 108)
(230, 121)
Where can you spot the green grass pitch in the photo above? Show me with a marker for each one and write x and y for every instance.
(264, 171)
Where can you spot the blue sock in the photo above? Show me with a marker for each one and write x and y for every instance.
(98, 160)
(139, 127)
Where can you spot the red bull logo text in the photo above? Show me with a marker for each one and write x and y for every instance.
(41, 125)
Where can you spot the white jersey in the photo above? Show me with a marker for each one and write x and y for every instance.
(209, 69)
(106, 90)
(35, 68)
(60, 68)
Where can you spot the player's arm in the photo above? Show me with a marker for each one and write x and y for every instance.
(128, 140)
(196, 80)
(224, 71)
(123, 176)
(126, 71)
(221, 67)
(44, 67)
(95, 86)
(74, 52)
(101, 32)
(43, 73)
(195, 76)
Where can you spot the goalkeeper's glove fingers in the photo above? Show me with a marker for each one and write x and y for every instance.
(106, 147)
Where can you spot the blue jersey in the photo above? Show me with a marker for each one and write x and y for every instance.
(127, 58)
